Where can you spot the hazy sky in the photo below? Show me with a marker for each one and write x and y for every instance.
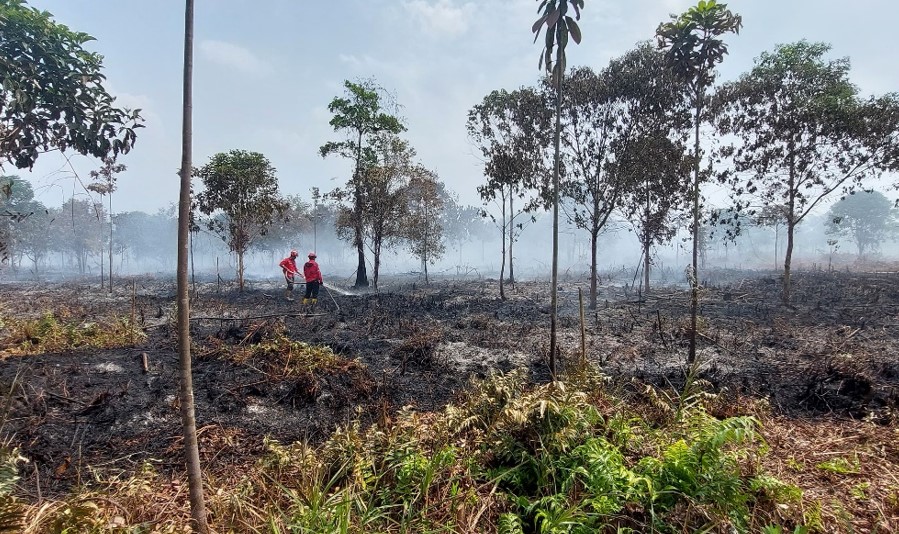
(266, 70)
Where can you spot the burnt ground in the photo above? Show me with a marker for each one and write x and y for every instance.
(833, 354)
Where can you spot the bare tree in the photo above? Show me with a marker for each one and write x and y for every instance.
(188, 420)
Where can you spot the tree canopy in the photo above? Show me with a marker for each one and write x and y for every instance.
(242, 186)
(52, 94)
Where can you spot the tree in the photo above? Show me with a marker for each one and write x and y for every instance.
(603, 115)
(773, 215)
(361, 117)
(188, 419)
(867, 218)
(558, 26)
(656, 191)
(104, 184)
(243, 187)
(68, 111)
(383, 190)
(694, 47)
(803, 133)
(17, 207)
(424, 227)
(76, 231)
(509, 130)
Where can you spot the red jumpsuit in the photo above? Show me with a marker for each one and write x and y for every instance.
(313, 279)
(289, 267)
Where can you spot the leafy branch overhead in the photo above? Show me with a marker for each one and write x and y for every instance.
(71, 109)
(559, 26)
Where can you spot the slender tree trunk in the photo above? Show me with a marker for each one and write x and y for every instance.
(594, 238)
(791, 226)
(554, 313)
(361, 272)
(377, 263)
(502, 265)
(647, 242)
(102, 267)
(240, 271)
(110, 241)
(788, 259)
(188, 421)
(511, 234)
(647, 245)
(775, 246)
(694, 289)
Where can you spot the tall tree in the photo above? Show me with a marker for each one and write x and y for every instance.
(361, 117)
(558, 27)
(243, 187)
(76, 231)
(104, 183)
(803, 133)
(694, 47)
(424, 217)
(656, 192)
(603, 116)
(383, 187)
(509, 129)
(188, 419)
(17, 206)
(867, 218)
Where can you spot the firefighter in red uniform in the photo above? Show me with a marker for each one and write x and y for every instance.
(289, 268)
(313, 280)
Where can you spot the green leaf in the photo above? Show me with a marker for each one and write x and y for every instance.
(574, 29)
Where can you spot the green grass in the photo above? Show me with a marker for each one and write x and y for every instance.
(509, 457)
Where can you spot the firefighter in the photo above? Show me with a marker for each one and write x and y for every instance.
(289, 268)
(313, 280)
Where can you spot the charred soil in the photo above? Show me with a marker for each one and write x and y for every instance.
(829, 356)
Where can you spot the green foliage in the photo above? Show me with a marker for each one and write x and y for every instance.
(867, 218)
(11, 510)
(58, 331)
(72, 109)
(840, 465)
(242, 186)
(559, 26)
(360, 115)
(509, 457)
(693, 42)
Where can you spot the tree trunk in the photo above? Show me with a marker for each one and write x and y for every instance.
(647, 245)
(694, 289)
(647, 241)
(102, 267)
(361, 272)
(511, 234)
(788, 259)
(110, 241)
(502, 264)
(188, 421)
(791, 224)
(240, 271)
(594, 237)
(554, 313)
(377, 264)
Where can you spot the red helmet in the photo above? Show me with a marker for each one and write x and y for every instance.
(312, 255)
(294, 253)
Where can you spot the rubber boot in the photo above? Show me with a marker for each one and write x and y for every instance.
(305, 302)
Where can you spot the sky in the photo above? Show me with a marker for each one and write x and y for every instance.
(265, 71)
